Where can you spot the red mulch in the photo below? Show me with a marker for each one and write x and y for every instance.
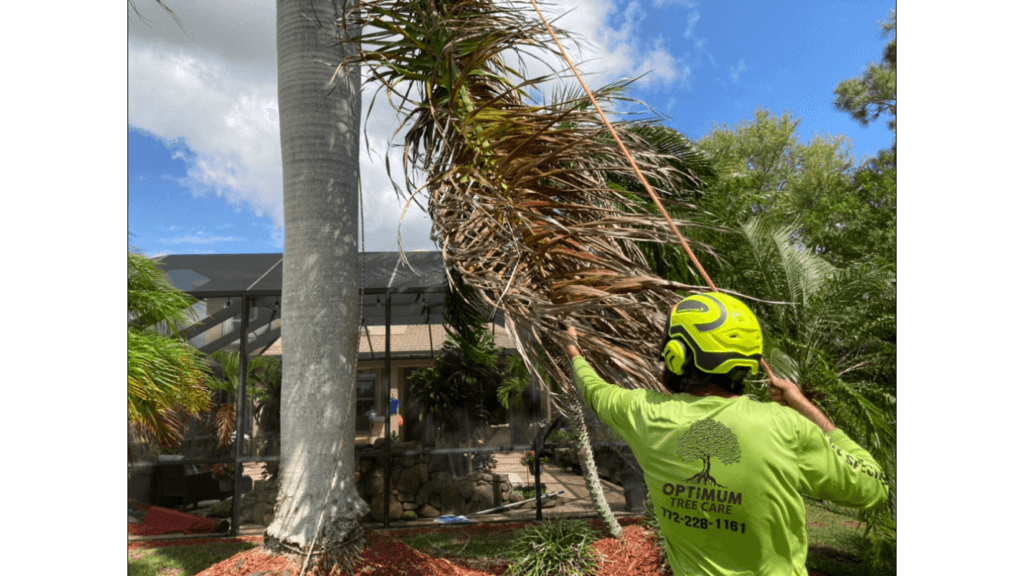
(386, 555)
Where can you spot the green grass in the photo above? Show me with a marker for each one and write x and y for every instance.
(181, 560)
(478, 544)
(835, 546)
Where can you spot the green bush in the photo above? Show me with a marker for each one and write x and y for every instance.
(221, 510)
(560, 436)
(559, 546)
(878, 548)
(528, 492)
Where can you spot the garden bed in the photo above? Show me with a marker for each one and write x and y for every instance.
(388, 554)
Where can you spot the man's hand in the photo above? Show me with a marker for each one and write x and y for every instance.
(571, 349)
(783, 391)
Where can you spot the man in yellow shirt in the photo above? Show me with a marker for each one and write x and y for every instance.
(726, 473)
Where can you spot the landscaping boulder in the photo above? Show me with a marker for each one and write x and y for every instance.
(412, 478)
(428, 511)
(377, 508)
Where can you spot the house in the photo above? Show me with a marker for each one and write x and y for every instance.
(229, 284)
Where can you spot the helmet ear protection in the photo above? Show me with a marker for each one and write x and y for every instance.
(673, 350)
(675, 356)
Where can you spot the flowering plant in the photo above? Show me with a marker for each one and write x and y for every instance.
(528, 460)
(223, 471)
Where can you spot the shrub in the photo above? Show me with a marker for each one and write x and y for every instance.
(484, 461)
(878, 548)
(559, 546)
(528, 492)
(560, 436)
(221, 510)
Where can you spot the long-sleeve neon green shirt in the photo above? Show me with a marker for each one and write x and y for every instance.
(725, 474)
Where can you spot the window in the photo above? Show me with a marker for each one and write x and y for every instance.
(366, 388)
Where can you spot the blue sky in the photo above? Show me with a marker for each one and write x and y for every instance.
(203, 145)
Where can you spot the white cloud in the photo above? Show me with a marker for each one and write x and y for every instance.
(734, 71)
(683, 3)
(691, 23)
(609, 46)
(200, 238)
(214, 91)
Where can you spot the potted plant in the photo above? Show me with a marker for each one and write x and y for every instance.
(529, 460)
(224, 474)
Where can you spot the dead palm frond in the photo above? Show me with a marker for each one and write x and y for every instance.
(519, 191)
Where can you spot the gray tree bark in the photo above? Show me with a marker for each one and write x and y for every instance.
(320, 299)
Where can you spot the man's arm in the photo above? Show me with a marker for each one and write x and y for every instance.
(608, 401)
(834, 467)
(808, 410)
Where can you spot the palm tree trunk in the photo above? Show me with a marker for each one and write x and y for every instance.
(589, 466)
(320, 314)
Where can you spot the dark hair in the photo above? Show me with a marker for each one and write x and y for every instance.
(693, 378)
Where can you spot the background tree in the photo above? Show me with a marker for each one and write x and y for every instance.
(874, 93)
(165, 374)
(267, 412)
(455, 396)
(760, 167)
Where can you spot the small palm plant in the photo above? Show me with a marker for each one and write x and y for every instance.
(559, 547)
(227, 386)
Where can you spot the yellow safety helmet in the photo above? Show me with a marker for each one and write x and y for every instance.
(714, 332)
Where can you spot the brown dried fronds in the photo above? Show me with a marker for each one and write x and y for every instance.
(521, 193)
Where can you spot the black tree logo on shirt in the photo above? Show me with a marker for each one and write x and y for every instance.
(704, 439)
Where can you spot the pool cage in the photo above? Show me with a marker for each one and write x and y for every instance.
(240, 311)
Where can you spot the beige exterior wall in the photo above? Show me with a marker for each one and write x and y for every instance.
(413, 338)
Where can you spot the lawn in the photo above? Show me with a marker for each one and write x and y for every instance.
(181, 557)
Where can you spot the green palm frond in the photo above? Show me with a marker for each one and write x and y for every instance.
(166, 375)
(832, 340)
(230, 365)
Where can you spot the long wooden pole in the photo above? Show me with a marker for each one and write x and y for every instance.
(636, 169)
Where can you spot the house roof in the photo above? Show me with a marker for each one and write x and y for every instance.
(417, 298)
(417, 293)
